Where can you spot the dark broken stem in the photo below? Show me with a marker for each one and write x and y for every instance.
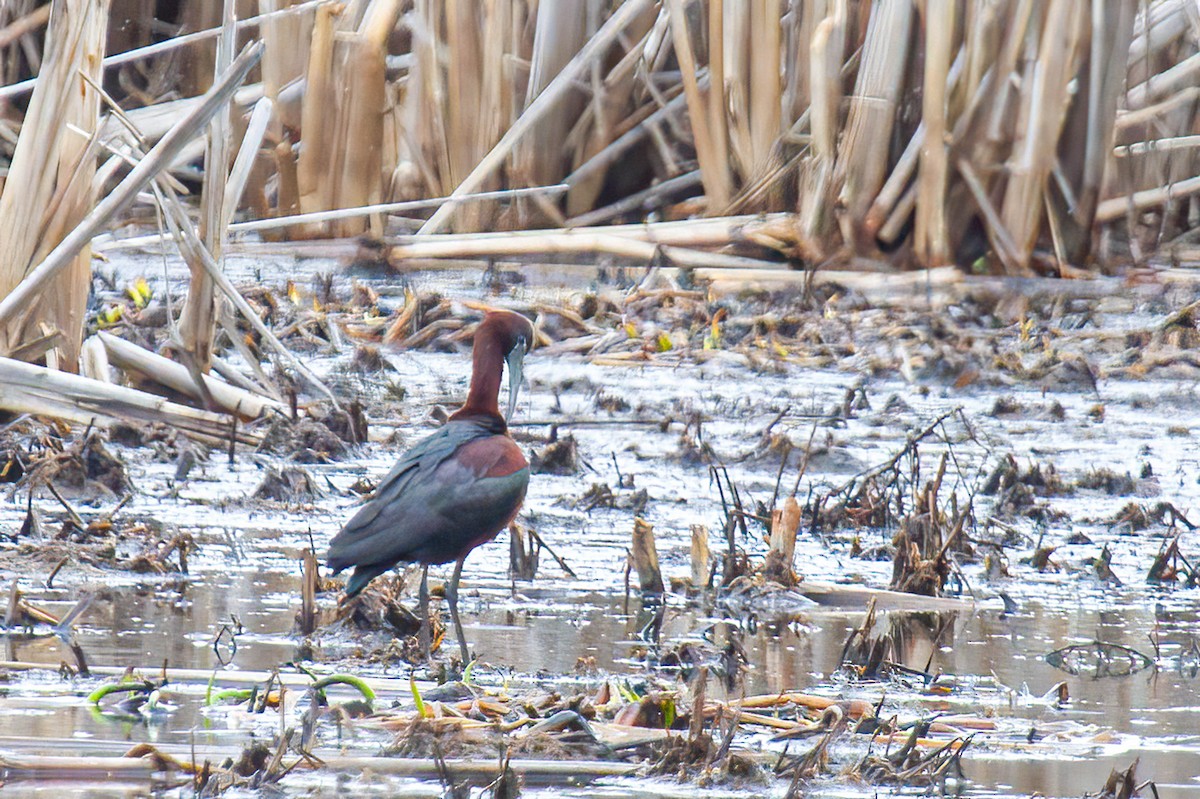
(80, 660)
(787, 450)
(696, 727)
(628, 571)
(892, 464)
(812, 434)
(49, 583)
(76, 519)
(117, 508)
(232, 438)
(561, 563)
(308, 594)
(737, 503)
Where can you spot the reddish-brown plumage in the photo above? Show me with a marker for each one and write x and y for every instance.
(495, 456)
(494, 339)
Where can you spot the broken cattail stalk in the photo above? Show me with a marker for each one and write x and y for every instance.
(578, 242)
(931, 238)
(308, 593)
(39, 391)
(522, 553)
(701, 557)
(645, 557)
(863, 158)
(785, 523)
(393, 208)
(231, 399)
(198, 320)
(93, 360)
(177, 219)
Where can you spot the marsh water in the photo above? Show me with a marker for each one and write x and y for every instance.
(235, 608)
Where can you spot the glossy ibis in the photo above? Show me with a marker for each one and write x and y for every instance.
(452, 491)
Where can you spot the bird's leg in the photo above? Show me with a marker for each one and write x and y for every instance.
(452, 597)
(424, 634)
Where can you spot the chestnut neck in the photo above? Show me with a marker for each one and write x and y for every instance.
(487, 369)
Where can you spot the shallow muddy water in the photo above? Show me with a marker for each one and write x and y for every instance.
(245, 576)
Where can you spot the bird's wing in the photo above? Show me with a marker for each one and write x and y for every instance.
(403, 489)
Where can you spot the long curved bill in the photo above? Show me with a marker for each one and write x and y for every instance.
(516, 361)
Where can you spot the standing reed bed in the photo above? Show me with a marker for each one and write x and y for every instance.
(1003, 136)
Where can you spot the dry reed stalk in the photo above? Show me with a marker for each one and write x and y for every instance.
(540, 244)
(283, 62)
(931, 243)
(245, 162)
(701, 556)
(718, 124)
(1161, 84)
(37, 280)
(863, 158)
(361, 60)
(735, 89)
(651, 198)
(713, 163)
(1044, 100)
(1116, 207)
(596, 46)
(816, 173)
(391, 208)
(340, 161)
(1156, 146)
(198, 320)
(1151, 113)
(479, 93)
(804, 18)
(193, 249)
(49, 185)
(24, 25)
(561, 28)
(174, 43)
(714, 232)
(645, 558)
(593, 168)
(609, 119)
(283, 82)
(764, 47)
(1157, 26)
(316, 119)
(1110, 34)
(40, 391)
(230, 399)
